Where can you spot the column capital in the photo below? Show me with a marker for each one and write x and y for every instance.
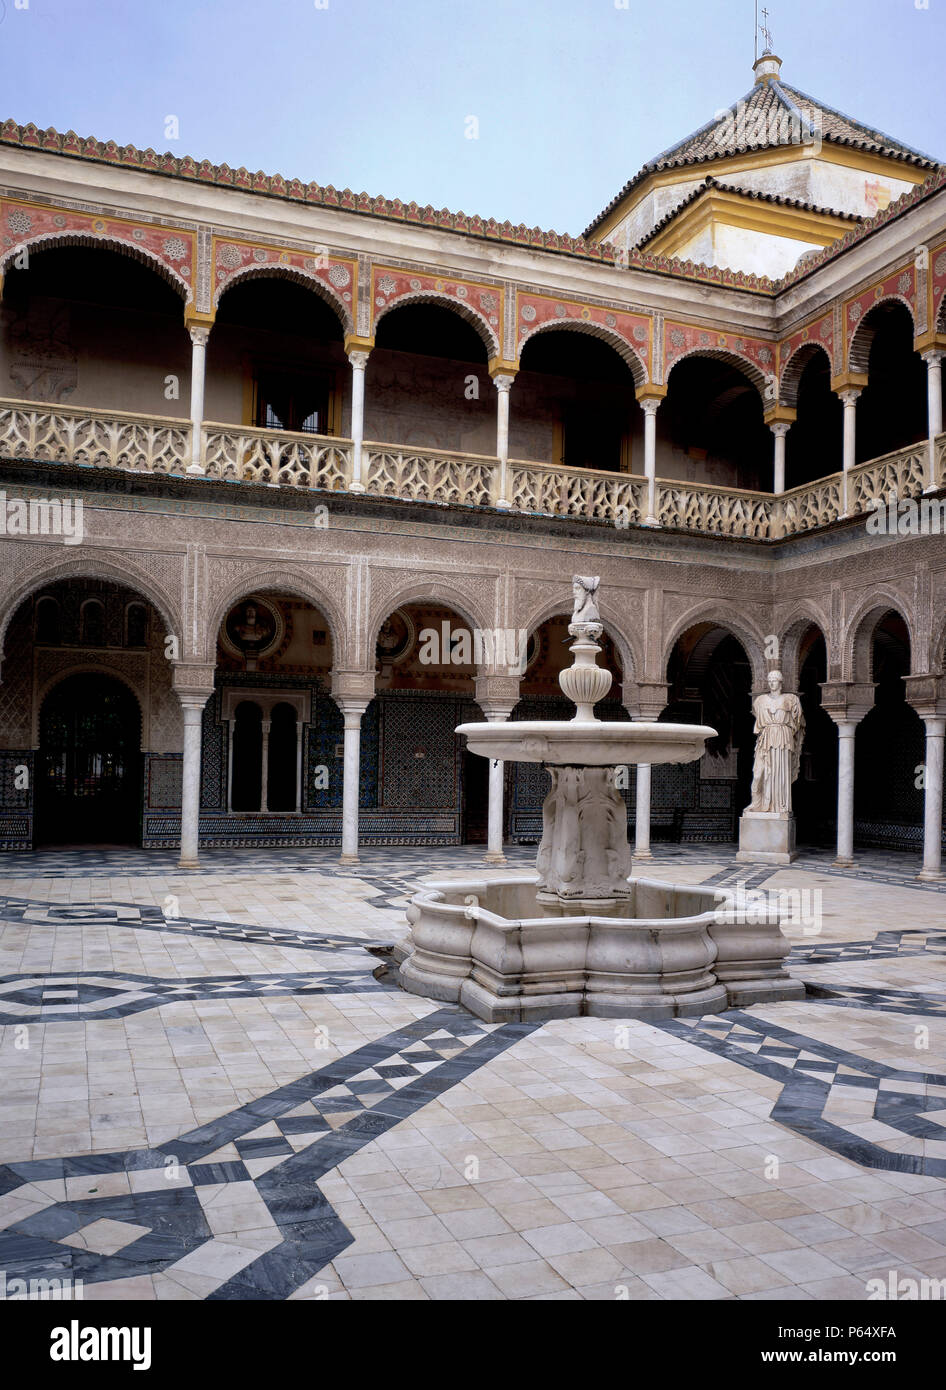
(353, 687)
(780, 419)
(502, 369)
(846, 702)
(927, 695)
(933, 355)
(650, 396)
(193, 682)
(930, 341)
(650, 700)
(198, 325)
(496, 692)
(496, 711)
(354, 344)
(849, 384)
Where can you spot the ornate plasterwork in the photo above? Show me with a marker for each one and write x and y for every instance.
(630, 333)
(479, 303)
(172, 251)
(819, 334)
(230, 580)
(937, 283)
(900, 285)
(54, 664)
(334, 277)
(755, 356)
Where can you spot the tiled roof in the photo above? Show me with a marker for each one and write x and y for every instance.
(50, 141)
(770, 109)
(710, 184)
(276, 186)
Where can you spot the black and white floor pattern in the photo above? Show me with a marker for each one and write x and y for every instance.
(276, 1149)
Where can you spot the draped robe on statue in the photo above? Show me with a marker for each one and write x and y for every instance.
(779, 725)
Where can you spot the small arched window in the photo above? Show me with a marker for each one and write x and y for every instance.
(92, 623)
(46, 628)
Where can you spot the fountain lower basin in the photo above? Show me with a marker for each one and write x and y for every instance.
(666, 951)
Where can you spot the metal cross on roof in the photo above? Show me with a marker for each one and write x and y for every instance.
(766, 32)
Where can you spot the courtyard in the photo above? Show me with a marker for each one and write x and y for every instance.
(214, 1090)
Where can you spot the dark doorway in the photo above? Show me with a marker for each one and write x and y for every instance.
(475, 799)
(89, 766)
(815, 793)
(247, 782)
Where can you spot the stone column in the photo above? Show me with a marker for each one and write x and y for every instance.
(780, 429)
(846, 702)
(359, 361)
(496, 714)
(351, 778)
(193, 685)
(199, 333)
(648, 704)
(193, 709)
(849, 401)
(649, 404)
(299, 728)
(265, 727)
(934, 410)
(503, 383)
(847, 729)
(933, 798)
(642, 813)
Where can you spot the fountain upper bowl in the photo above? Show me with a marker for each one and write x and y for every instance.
(587, 742)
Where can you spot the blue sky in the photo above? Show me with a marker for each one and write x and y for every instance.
(571, 96)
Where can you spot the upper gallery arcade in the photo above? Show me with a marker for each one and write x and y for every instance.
(703, 399)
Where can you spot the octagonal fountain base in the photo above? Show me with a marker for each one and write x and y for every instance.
(662, 951)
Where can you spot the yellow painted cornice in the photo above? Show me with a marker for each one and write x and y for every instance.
(866, 160)
(499, 366)
(780, 415)
(923, 342)
(731, 210)
(849, 381)
(652, 391)
(355, 344)
(195, 319)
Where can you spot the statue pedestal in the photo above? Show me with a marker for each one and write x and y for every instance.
(766, 837)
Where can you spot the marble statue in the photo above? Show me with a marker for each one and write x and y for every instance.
(780, 727)
(585, 594)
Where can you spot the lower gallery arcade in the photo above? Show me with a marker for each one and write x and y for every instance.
(109, 738)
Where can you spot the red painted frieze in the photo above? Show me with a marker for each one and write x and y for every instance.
(534, 311)
(234, 258)
(27, 224)
(821, 332)
(900, 284)
(681, 339)
(388, 285)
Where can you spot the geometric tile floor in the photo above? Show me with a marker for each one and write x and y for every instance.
(207, 1094)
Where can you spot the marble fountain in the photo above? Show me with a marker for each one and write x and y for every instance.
(580, 935)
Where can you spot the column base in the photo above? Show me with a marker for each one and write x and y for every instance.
(650, 521)
(931, 875)
(503, 503)
(642, 854)
(348, 859)
(356, 487)
(843, 863)
(194, 468)
(494, 857)
(188, 863)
